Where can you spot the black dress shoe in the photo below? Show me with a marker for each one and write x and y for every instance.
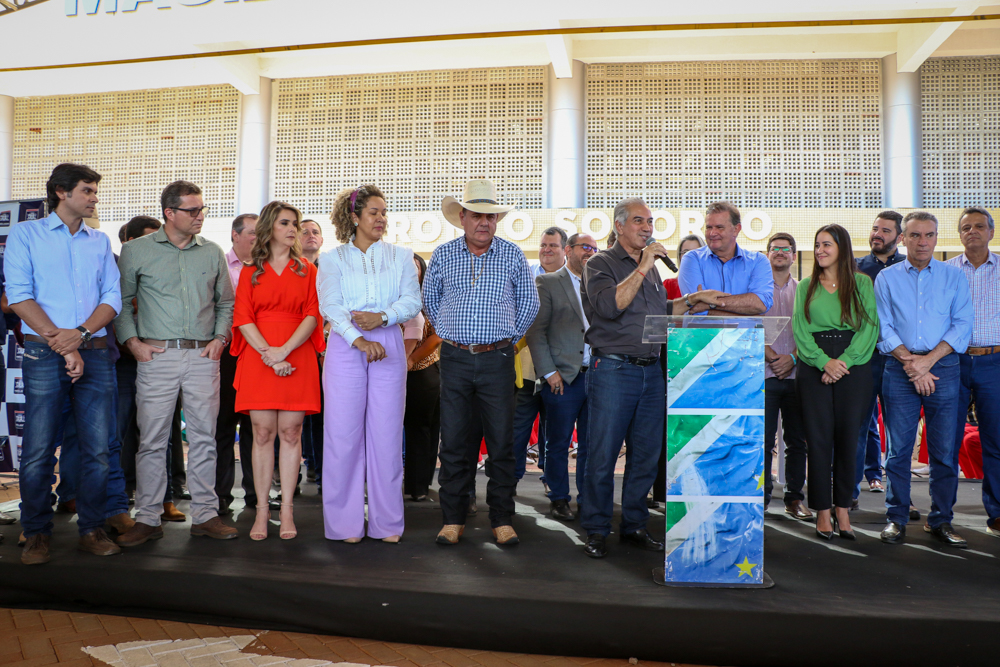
(562, 511)
(914, 513)
(641, 539)
(945, 533)
(596, 548)
(893, 533)
(855, 504)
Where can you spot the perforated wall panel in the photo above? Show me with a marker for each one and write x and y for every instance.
(138, 141)
(961, 131)
(419, 136)
(794, 134)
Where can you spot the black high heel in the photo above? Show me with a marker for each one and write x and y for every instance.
(825, 534)
(844, 534)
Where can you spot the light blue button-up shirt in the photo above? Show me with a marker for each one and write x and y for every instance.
(919, 309)
(68, 275)
(746, 273)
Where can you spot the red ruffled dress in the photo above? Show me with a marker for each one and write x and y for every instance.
(277, 305)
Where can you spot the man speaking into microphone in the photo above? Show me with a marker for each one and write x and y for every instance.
(625, 385)
(723, 265)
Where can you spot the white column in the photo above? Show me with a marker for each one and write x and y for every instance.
(566, 152)
(6, 146)
(255, 150)
(903, 176)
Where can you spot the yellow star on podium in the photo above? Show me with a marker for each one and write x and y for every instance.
(760, 481)
(746, 567)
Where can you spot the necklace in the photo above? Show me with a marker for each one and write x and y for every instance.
(472, 263)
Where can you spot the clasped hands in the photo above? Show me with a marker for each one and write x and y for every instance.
(66, 342)
(274, 358)
(704, 299)
(918, 368)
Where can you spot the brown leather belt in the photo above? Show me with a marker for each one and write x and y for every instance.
(177, 343)
(94, 344)
(486, 347)
(974, 351)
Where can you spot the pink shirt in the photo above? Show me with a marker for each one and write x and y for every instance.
(784, 306)
(235, 266)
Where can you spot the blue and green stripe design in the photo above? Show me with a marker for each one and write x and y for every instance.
(715, 456)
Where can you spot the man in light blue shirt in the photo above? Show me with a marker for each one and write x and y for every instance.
(62, 281)
(926, 315)
(723, 265)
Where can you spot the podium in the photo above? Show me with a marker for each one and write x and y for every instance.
(715, 448)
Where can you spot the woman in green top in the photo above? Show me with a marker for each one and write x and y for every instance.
(836, 327)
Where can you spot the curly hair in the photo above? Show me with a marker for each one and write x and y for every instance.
(261, 251)
(343, 224)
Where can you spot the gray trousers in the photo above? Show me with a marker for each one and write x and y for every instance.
(157, 385)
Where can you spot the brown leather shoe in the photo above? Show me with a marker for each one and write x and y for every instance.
(68, 507)
(993, 527)
(98, 543)
(121, 523)
(171, 513)
(797, 509)
(215, 529)
(140, 533)
(506, 537)
(450, 533)
(36, 551)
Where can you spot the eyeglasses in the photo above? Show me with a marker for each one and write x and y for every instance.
(193, 212)
(787, 249)
(584, 246)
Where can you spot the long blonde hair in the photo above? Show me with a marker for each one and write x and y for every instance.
(261, 251)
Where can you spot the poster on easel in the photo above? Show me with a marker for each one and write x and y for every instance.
(12, 405)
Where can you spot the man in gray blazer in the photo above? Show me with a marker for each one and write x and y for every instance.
(561, 357)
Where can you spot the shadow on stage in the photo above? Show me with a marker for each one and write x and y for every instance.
(833, 603)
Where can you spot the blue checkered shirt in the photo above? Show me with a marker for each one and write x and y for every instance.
(502, 302)
(984, 282)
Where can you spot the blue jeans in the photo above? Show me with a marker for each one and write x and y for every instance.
(941, 410)
(69, 464)
(625, 403)
(46, 390)
(869, 462)
(562, 413)
(980, 379)
(528, 406)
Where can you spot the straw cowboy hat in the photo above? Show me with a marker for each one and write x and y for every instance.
(480, 196)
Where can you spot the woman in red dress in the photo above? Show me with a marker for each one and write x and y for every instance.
(276, 335)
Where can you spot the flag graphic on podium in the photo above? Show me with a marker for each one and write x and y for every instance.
(715, 456)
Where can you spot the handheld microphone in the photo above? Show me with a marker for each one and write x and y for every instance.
(666, 260)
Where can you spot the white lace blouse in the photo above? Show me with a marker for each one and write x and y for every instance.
(383, 279)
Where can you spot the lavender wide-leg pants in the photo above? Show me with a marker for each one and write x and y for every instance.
(363, 437)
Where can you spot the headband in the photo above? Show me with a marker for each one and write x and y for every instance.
(354, 197)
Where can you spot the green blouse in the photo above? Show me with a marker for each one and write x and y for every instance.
(825, 312)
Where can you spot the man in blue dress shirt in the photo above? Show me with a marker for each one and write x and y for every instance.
(981, 362)
(480, 297)
(723, 265)
(62, 281)
(926, 317)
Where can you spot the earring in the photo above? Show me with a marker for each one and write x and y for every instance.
(355, 224)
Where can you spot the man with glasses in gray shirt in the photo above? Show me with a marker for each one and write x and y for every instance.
(185, 299)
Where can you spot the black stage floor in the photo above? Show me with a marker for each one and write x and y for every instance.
(833, 603)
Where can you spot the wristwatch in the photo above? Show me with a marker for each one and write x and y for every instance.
(222, 337)
(687, 303)
(85, 334)
(385, 319)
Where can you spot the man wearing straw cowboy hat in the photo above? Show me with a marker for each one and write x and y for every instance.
(480, 296)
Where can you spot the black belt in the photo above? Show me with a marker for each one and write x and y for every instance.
(628, 359)
(478, 348)
(93, 344)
